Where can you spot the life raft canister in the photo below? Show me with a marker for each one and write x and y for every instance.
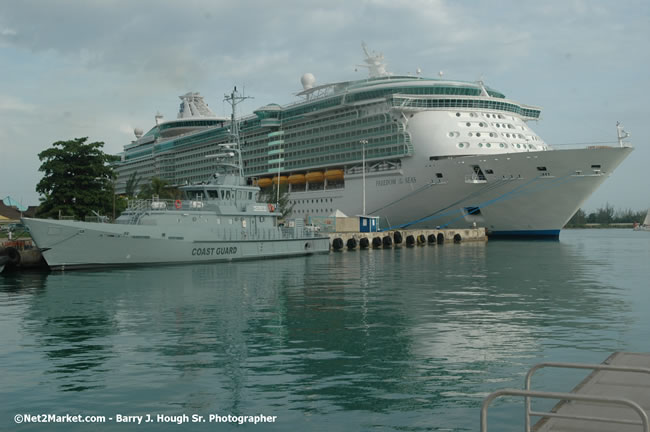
(271, 208)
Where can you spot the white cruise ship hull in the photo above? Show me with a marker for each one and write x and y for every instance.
(522, 194)
(76, 245)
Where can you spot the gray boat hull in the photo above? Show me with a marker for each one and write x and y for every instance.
(74, 245)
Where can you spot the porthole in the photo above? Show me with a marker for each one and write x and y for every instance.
(468, 124)
(480, 144)
(508, 135)
(482, 124)
(457, 114)
(461, 145)
(518, 146)
(493, 135)
(478, 134)
(502, 145)
(470, 134)
(488, 145)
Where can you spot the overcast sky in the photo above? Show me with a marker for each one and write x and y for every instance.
(75, 68)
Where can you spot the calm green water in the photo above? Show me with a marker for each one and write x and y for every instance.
(405, 340)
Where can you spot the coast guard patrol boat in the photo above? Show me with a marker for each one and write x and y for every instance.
(217, 220)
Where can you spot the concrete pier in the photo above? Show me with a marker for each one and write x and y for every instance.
(404, 238)
(20, 254)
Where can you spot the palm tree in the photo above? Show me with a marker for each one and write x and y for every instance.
(159, 187)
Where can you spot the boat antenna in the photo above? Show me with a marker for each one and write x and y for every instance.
(234, 98)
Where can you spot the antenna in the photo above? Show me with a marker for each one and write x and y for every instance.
(622, 134)
(234, 99)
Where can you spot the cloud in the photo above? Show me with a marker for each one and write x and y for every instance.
(15, 105)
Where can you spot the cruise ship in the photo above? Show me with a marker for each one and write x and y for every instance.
(416, 152)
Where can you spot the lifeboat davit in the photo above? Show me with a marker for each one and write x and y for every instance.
(297, 179)
(315, 177)
(335, 174)
(264, 182)
(281, 179)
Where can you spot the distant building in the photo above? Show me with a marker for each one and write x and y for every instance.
(11, 213)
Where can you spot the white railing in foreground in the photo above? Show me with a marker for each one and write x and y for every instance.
(564, 365)
(528, 393)
(566, 396)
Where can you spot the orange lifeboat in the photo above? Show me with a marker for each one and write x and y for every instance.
(335, 174)
(315, 177)
(264, 182)
(297, 179)
(283, 180)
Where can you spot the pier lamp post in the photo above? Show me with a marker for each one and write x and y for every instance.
(363, 142)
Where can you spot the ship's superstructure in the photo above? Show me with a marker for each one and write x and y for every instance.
(435, 152)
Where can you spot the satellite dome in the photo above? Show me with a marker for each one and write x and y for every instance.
(307, 81)
(138, 132)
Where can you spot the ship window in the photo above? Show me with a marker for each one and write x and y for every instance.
(489, 171)
(439, 175)
(473, 211)
(595, 167)
(228, 195)
(213, 194)
(457, 114)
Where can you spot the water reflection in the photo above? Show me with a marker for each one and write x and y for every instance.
(401, 334)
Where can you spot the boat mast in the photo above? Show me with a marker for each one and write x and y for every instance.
(233, 99)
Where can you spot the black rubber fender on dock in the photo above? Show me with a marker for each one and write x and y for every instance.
(431, 239)
(351, 243)
(410, 240)
(440, 239)
(14, 256)
(337, 243)
(397, 237)
(387, 242)
(457, 238)
(364, 242)
(376, 242)
(421, 239)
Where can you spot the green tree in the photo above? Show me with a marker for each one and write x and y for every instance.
(77, 179)
(605, 215)
(132, 185)
(270, 195)
(159, 187)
